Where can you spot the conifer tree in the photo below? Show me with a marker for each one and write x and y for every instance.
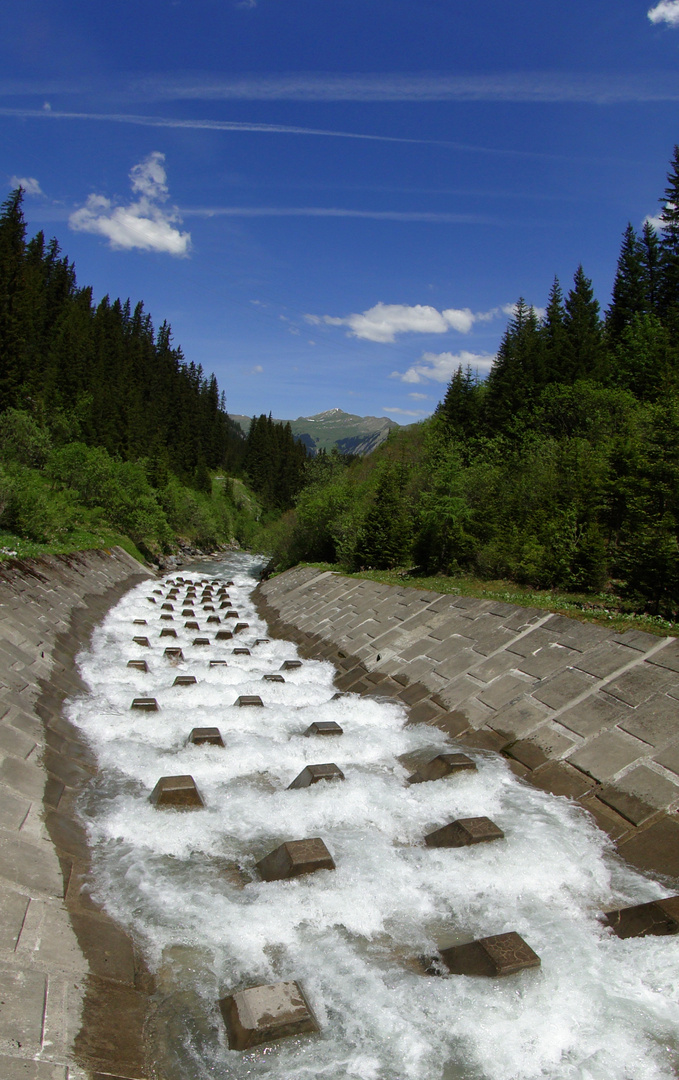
(630, 288)
(553, 334)
(517, 374)
(583, 352)
(669, 247)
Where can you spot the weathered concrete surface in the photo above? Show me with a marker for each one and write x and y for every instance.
(73, 1000)
(577, 710)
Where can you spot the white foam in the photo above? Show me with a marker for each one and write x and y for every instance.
(185, 885)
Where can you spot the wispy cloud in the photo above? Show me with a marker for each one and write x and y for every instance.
(418, 397)
(28, 183)
(144, 223)
(537, 86)
(337, 212)
(391, 409)
(383, 322)
(666, 11)
(440, 367)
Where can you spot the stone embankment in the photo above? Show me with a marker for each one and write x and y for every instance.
(74, 994)
(576, 710)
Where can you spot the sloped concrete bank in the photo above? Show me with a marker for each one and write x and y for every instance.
(74, 993)
(576, 710)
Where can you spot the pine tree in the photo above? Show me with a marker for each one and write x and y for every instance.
(651, 246)
(460, 406)
(669, 247)
(12, 327)
(583, 352)
(517, 375)
(553, 334)
(630, 288)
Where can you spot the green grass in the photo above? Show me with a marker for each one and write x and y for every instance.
(602, 609)
(15, 547)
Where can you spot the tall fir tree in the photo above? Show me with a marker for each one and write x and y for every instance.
(630, 295)
(669, 247)
(583, 350)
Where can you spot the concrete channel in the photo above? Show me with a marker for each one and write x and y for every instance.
(575, 711)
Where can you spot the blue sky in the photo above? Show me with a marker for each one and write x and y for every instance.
(334, 202)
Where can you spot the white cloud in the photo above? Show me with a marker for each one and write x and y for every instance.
(256, 370)
(28, 183)
(656, 220)
(384, 321)
(418, 397)
(143, 224)
(440, 367)
(666, 11)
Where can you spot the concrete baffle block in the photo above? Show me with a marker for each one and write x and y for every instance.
(208, 607)
(290, 665)
(213, 619)
(168, 632)
(442, 765)
(167, 607)
(147, 704)
(139, 622)
(218, 663)
(273, 678)
(229, 584)
(241, 652)
(157, 592)
(151, 599)
(188, 613)
(262, 1014)
(248, 699)
(657, 918)
(262, 641)
(142, 641)
(240, 626)
(323, 727)
(210, 736)
(179, 792)
(502, 954)
(229, 614)
(167, 618)
(223, 635)
(464, 832)
(185, 680)
(313, 774)
(140, 665)
(201, 641)
(294, 858)
(191, 625)
(174, 655)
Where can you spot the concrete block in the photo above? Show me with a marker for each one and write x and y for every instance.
(139, 622)
(14, 810)
(240, 626)
(185, 680)
(168, 632)
(202, 735)
(21, 1015)
(669, 759)
(561, 689)
(655, 849)
(191, 625)
(501, 954)
(294, 858)
(167, 618)
(147, 704)
(323, 727)
(273, 678)
(546, 661)
(174, 654)
(142, 641)
(606, 755)
(593, 715)
(639, 794)
(606, 658)
(140, 665)
(13, 906)
(290, 665)
(214, 619)
(656, 722)
(520, 718)
(667, 657)
(241, 652)
(658, 918)
(167, 607)
(201, 641)
(262, 641)
(442, 765)
(223, 635)
(640, 683)
(35, 869)
(188, 613)
(230, 613)
(248, 699)
(505, 691)
(464, 832)
(218, 663)
(176, 791)
(208, 607)
(262, 1014)
(313, 774)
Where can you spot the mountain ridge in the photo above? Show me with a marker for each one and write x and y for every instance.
(348, 432)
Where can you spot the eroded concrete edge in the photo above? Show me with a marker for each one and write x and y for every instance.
(577, 711)
(75, 993)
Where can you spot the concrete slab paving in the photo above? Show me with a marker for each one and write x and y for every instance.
(607, 754)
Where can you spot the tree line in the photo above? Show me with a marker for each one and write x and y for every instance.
(561, 469)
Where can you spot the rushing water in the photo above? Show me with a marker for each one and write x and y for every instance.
(184, 884)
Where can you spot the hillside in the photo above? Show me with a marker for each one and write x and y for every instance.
(351, 434)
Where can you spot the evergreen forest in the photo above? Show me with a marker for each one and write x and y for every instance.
(559, 471)
(107, 433)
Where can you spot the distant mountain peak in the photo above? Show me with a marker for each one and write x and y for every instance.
(351, 434)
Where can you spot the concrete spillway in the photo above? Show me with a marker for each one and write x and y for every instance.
(196, 922)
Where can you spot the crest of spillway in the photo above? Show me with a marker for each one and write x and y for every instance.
(186, 885)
